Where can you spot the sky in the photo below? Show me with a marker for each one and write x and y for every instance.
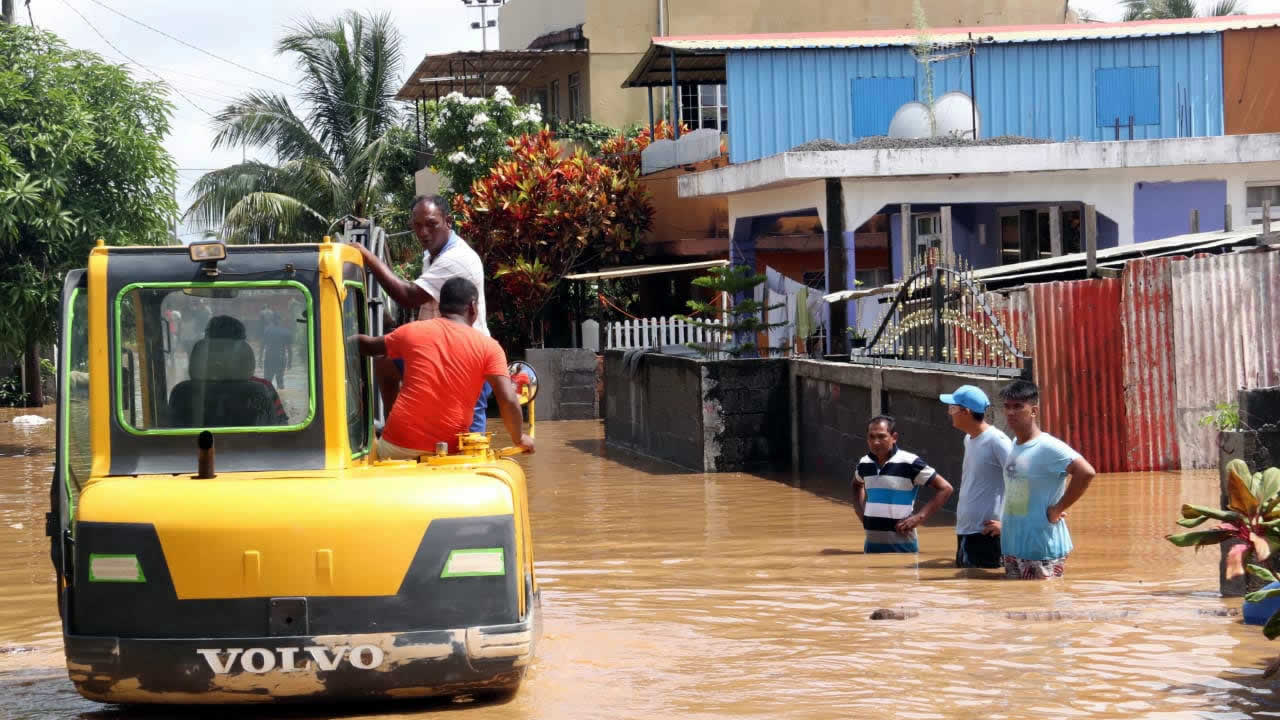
(245, 31)
(238, 30)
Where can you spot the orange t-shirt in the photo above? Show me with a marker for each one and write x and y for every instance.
(445, 364)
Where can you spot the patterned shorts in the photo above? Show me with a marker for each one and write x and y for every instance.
(1016, 568)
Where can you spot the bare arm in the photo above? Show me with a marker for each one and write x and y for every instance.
(509, 406)
(860, 499)
(1080, 473)
(402, 291)
(371, 345)
(944, 490)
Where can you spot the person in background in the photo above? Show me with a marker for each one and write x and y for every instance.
(277, 349)
(1043, 477)
(445, 256)
(981, 479)
(885, 485)
(446, 360)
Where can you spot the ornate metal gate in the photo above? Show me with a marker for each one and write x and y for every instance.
(940, 318)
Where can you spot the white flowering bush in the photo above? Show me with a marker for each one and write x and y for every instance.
(469, 134)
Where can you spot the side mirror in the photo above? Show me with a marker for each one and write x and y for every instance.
(525, 380)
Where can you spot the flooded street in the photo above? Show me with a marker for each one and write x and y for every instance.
(676, 594)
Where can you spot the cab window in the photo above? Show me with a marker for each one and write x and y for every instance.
(358, 371)
(195, 356)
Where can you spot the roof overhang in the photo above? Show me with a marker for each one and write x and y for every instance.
(961, 160)
(692, 67)
(475, 72)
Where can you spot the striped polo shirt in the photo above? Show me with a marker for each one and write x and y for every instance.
(891, 496)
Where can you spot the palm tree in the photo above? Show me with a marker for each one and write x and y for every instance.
(1166, 9)
(326, 164)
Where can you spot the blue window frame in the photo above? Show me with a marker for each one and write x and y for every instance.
(876, 99)
(1122, 92)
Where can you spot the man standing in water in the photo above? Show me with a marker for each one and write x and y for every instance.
(885, 485)
(445, 256)
(1043, 477)
(982, 480)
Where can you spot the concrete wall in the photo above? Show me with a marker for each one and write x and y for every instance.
(833, 401)
(1163, 209)
(566, 383)
(521, 21)
(723, 416)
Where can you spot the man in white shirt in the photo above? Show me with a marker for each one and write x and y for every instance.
(445, 256)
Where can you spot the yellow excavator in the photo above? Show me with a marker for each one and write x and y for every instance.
(221, 526)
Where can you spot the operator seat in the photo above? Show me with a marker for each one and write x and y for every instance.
(221, 391)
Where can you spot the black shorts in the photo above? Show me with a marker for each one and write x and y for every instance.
(978, 551)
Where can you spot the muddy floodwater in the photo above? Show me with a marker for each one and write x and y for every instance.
(670, 594)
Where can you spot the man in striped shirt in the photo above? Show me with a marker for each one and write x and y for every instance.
(885, 485)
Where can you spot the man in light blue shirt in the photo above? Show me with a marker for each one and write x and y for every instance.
(981, 481)
(1043, 477)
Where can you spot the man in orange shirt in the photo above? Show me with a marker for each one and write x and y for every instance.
(446, 361)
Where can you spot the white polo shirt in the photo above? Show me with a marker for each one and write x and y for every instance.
(455, 259)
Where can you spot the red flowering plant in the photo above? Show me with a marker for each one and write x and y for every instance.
(538, 216)
(1252, 517)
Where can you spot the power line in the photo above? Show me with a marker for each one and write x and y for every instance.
(193, 47)
(135, 62)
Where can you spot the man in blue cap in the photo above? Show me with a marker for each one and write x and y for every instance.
(981, 480)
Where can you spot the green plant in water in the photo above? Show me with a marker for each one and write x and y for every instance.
(1224, 418)
(1252, 516)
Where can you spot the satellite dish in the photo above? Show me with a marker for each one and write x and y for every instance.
(910, 121)
(954, 116)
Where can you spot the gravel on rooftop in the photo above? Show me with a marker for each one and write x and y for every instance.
(882, 142)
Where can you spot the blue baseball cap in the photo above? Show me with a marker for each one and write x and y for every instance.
(967, 397)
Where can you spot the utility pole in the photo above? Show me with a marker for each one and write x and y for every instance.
(6, 6)
(485, 23)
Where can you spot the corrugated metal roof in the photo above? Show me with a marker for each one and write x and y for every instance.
(474, 72)
(957, 35)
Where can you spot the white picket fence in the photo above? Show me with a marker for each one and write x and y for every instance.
(657, 332)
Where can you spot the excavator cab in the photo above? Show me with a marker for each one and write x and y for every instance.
(221, 526)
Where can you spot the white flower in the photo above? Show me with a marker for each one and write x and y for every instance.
(460, 157)
(530, 115)
(479, 120)
(454, 97)
(501, 95)
(478, 141)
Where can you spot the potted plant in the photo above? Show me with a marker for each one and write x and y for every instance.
(1250, 524)
(857, 337)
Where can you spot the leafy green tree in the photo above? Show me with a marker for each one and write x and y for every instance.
(81, 158)
(326, 162)
(1169, 9)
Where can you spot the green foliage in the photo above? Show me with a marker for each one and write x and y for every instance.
(81, 158)
(737, 327)
(328, 162)
(467, 136)
(1224, 418)
(589, 134)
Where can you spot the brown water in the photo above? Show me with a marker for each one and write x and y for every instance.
(673, 594)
